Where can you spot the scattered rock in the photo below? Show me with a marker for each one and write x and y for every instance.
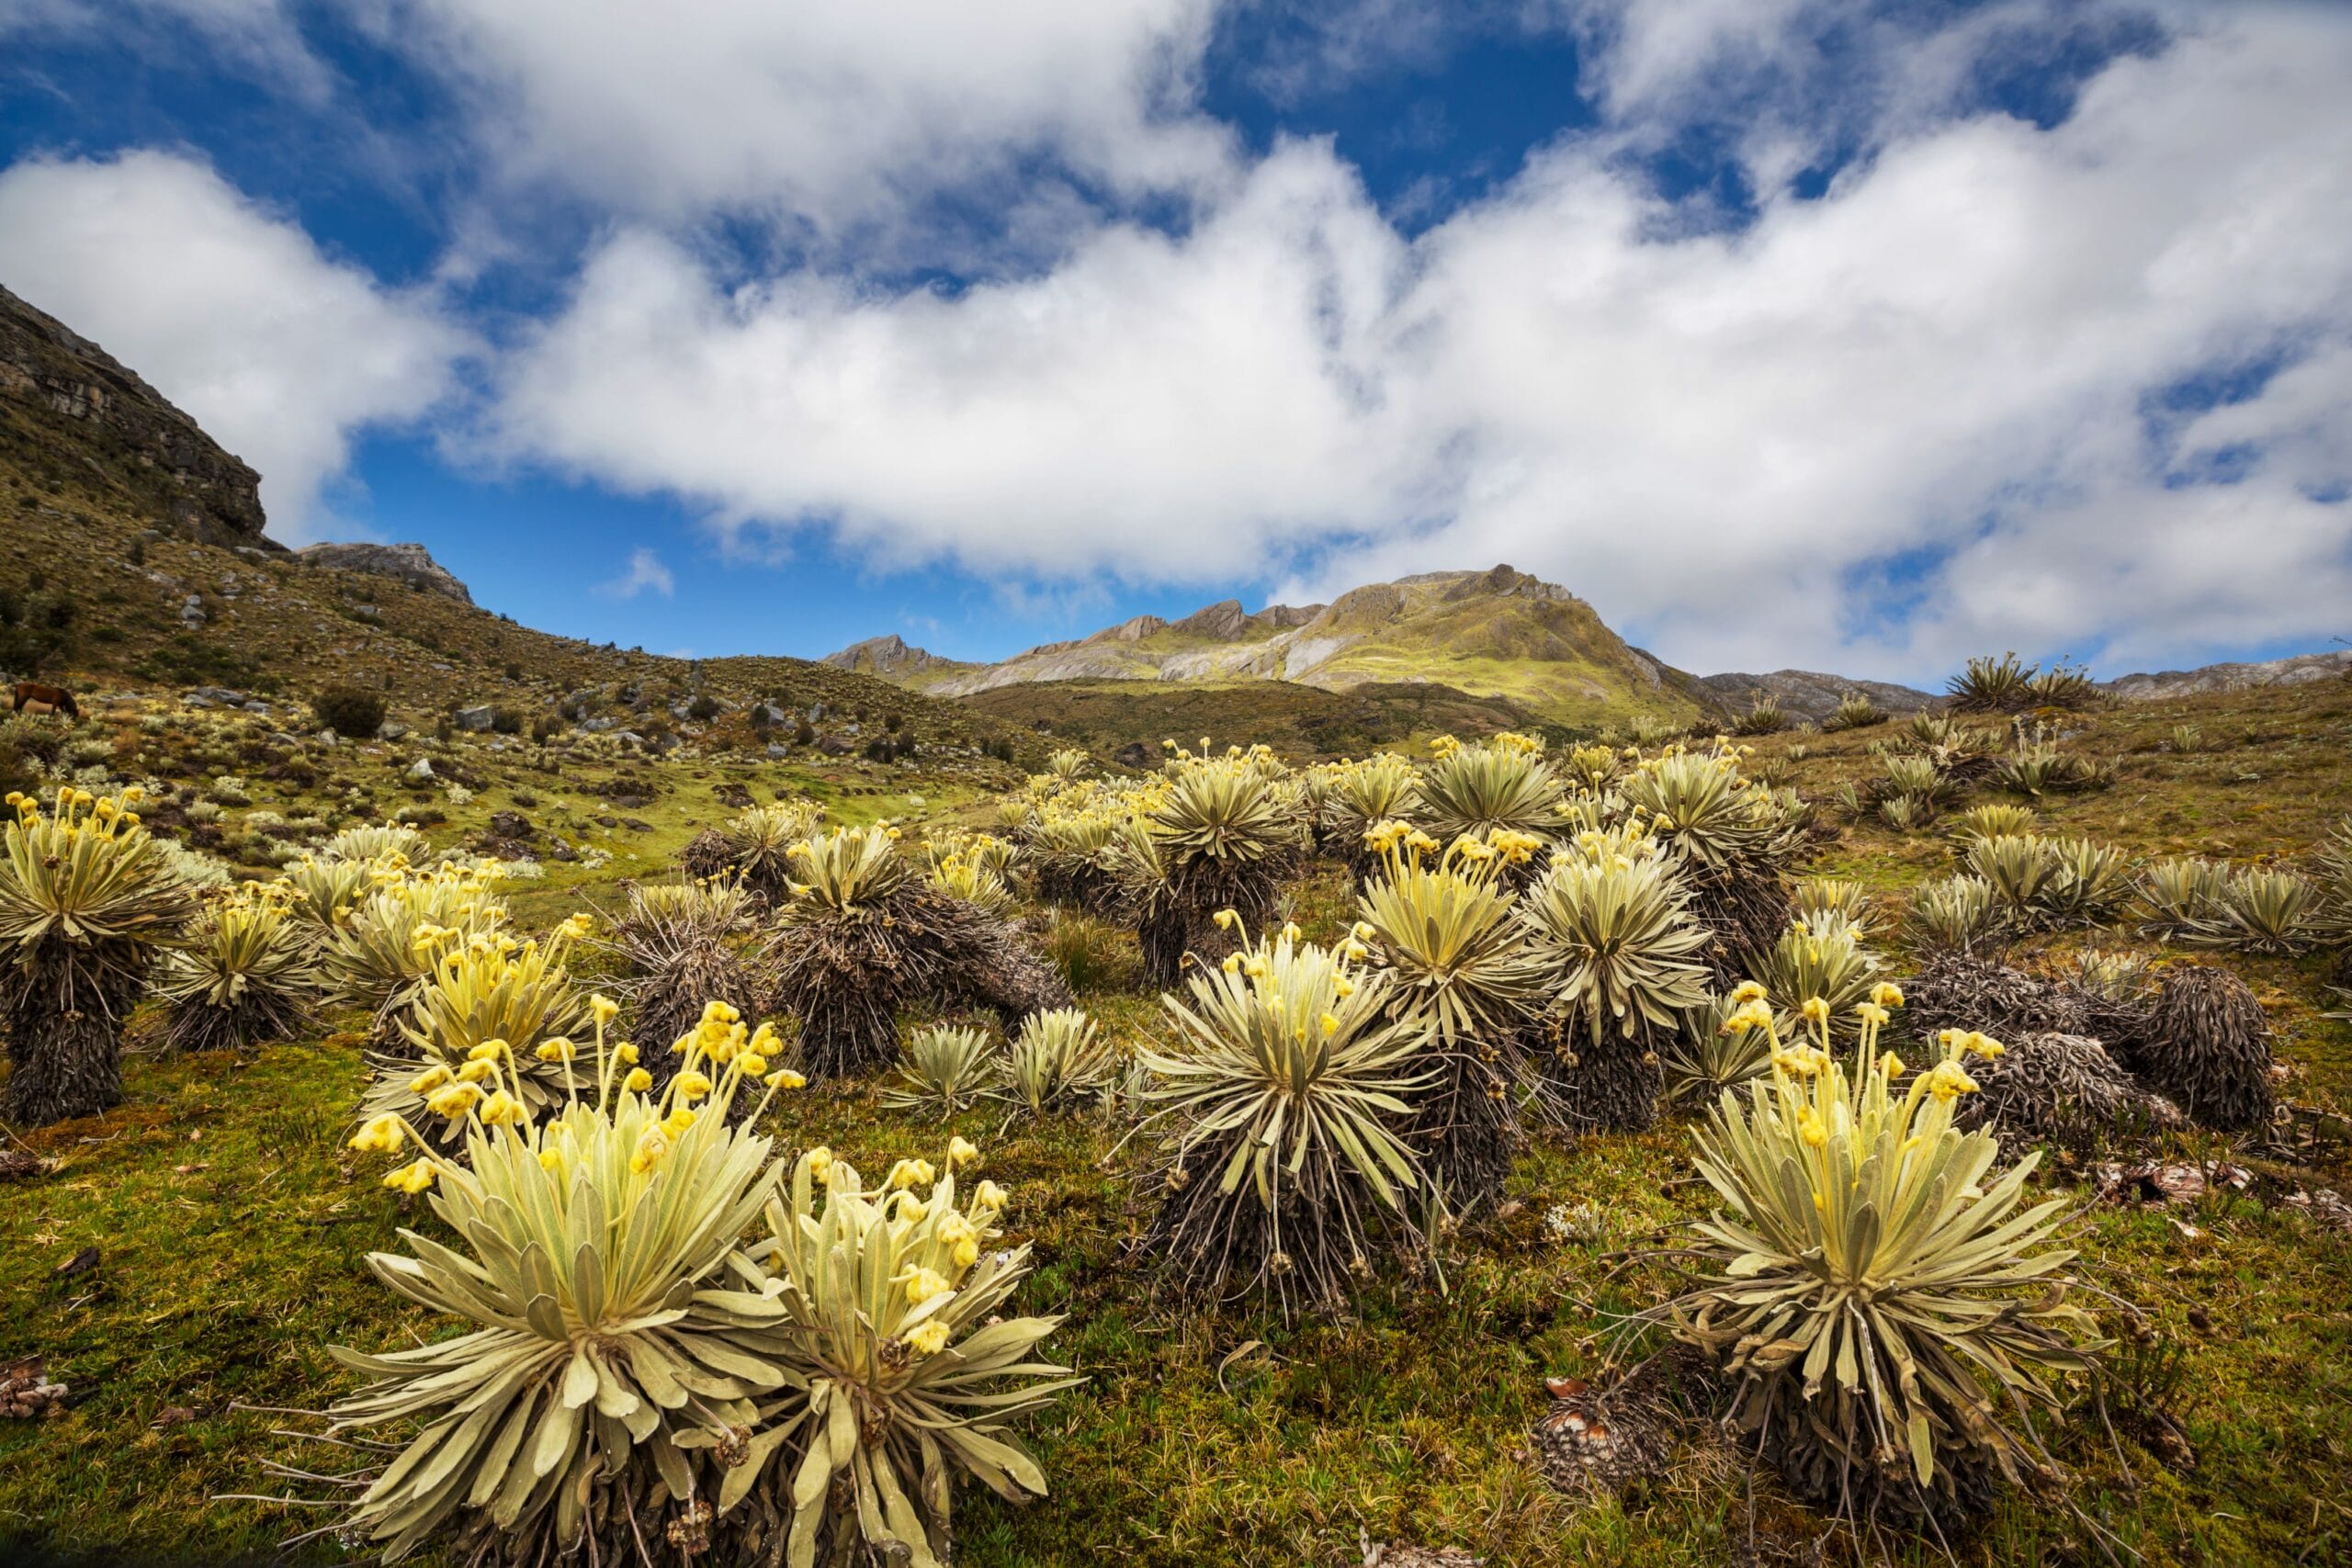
(634, 826)
(391, 729)
(421, 771)
(192, 611)
(510, 825)
(26, 1391)
(1132, 755)
(832, 746)
(778, 752)
(478, 718)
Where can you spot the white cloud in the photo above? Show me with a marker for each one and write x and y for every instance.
(644, 572)
(827, 113)
(279, 352)
(1936, 380)
(1155, 408)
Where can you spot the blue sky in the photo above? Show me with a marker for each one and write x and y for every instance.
(1787, 332)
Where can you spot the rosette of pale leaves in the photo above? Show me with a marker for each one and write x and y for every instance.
(242, 972)
(1058, 1059)
(945, 1069)
(1704, 812)
(490, 989)
(1502, 785)
(328, 889)
(1443, 932)
(1956, 914)
(1362, 794)
(1881, 1289)
(1277, 1108)
(849, 874)
(1823, 959)
(905, 1372)
(759, 846)
(608, 1345)
(374, 960)
(2259, 909)
(379, 842)
(975, 881)
(1618, 944)
(1224, 811)
(86, 897)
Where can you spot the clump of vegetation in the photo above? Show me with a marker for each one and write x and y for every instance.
(1278, 1110)
(947, 1068)
(594, 1244)
(2257, 909)
(1217, 838)
(1502, 785)
(678, 946)
(1885, 1296)
(2009, 685)
(1764, 717)
(1620, 955)
(1957, 914)
(1707, 1056)
(374, 960)
(86, 899)
(904, 1370)
(1998, 819)
(243, 972)
(1728, 841)
(353, 711)
(1443, 929)
(756, 848)
(1854, 711)
(1057, 1060)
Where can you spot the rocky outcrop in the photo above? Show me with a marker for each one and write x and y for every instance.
(144, 446)
(888, 656)
(410, 563)
(2334, 665)
(1809, 694)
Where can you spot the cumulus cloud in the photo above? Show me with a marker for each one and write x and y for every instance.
(1909, 420)
(644, 573)
(1160, 408)
(828, 114)
(281, 353)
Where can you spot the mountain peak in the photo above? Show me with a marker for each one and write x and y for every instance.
(887, 656)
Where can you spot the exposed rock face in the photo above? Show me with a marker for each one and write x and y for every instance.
(2333, 665)
(410, 563)
(1809, 694)
(887, 656)
(149, 448)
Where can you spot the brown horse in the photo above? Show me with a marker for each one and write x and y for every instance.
(32, 697)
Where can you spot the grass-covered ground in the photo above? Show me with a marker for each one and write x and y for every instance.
(231, 1228)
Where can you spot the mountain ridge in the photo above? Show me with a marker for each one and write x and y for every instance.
(1499, 633)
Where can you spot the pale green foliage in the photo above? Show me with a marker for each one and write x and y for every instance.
(2257, 909)
(1881, 1291)
(1704, 1057)
(243, 971)
(1998, 819)
(1503, 784)
(2181, 895)
(1706, 814)
(1831, 895)
(1956, 913)
(1821, 957)
(1617, 943)
(375, 842)
(850, 871)
(1058, 1058)
(946, 1068)
(1444, 931)
(329, 889)
(905, 1369)
(1277, 1105)
(1362, 794)
(607, 1336)
(1068, 763)
(375, 960)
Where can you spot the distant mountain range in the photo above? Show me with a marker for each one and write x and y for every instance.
(1491, 634)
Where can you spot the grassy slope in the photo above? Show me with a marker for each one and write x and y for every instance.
(72, 523)
(1299, 721)
(232, 1228)
(1554, 659)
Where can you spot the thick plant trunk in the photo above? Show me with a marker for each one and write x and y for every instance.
(62, 1065)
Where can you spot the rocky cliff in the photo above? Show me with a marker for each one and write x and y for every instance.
(409, 563)
(890, 658)
(61, 393)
